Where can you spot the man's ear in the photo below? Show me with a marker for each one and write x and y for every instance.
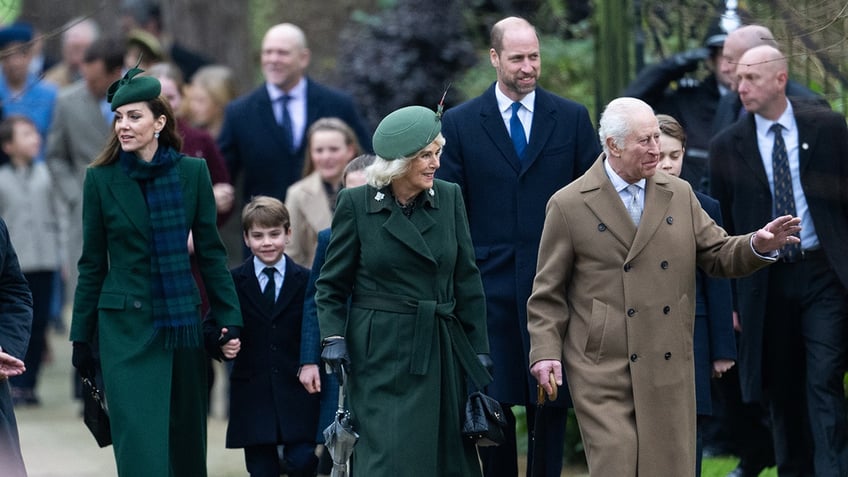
(612, 146)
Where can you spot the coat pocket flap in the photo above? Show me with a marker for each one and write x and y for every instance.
(111, 301)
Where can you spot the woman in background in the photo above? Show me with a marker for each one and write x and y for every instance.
(330, 145)
(212, 88)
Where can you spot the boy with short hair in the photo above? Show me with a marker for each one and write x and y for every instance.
(268, 405)
(27, 203)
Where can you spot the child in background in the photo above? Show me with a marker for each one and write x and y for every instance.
(714, 341)
(27, 203)
(268, 405)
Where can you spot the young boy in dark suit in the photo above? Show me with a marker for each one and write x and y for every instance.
(268, 405)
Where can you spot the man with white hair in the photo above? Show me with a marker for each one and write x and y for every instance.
(613, 299)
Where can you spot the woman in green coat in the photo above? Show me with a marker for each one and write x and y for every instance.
(401, 253)
(136, 299)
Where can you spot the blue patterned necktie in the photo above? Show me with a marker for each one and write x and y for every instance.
(784, 199)
(286, 121)
(634, 207)
(270, 291)
(516, 131)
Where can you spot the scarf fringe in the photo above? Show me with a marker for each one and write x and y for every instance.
(181, 337)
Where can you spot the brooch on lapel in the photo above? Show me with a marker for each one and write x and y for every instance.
(432, 192)
(379, 196)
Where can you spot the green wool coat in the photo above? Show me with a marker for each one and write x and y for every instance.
(157, 398)
(417, 318)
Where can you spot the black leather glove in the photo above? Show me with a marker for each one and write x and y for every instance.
(487, 362)
(691, 58)
(335, 357)
(83, 359)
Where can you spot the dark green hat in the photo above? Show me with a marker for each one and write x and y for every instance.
(132, 88)
(405, 132)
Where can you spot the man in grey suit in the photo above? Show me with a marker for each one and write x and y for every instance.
(82, 121)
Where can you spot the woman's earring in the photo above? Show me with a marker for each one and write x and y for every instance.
(156, 135)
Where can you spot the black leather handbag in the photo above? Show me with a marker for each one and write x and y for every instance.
(94, 413)
(484, 421)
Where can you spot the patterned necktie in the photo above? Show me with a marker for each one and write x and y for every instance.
(270, 291)
(784, 199)
(634, 207)
(286, 121)
(516, 131)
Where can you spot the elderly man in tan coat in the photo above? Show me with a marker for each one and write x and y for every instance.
(613, 300)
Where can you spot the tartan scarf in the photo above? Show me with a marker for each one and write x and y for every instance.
(174, 312)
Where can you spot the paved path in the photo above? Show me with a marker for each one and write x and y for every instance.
(56, 443)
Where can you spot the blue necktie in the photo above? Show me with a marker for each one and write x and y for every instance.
(784, 199)
(516, 130)
(286, 121)
(270, 291)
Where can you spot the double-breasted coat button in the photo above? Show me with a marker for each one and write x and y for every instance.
(664, 265)
(627, 267)
(666, 309)
(631, 312)
(668, 356)
(273, 347)
(669, 220)
(633, 357)
(602, 227)
(136, 304)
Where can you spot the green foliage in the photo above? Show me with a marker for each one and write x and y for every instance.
(403, 55)
(9, 10)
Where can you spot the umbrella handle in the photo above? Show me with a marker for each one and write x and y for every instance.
(541, 397)
(342, 381)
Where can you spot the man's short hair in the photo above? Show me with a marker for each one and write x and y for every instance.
(110, 50)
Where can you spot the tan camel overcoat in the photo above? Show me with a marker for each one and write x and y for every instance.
(617, 306)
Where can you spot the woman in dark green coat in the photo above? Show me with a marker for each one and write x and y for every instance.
(136, 296)
(401, 252)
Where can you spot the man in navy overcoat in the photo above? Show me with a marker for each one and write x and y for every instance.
(505, 193)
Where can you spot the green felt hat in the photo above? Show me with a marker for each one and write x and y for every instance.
(405, 132)
(132, 89)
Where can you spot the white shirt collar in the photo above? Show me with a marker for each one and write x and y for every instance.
(298, 92)
(787, 120)
(504, 103)
(617, 182)
(258, 266)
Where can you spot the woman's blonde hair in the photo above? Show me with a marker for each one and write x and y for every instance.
(383, 171)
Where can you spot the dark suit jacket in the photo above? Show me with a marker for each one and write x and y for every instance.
(739, 183)
(713, 338)
(15, 323)
(266, 396)
(252, 141)
(505, 198)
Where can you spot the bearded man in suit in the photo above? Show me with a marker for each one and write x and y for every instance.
(613, 302)
(510, 149)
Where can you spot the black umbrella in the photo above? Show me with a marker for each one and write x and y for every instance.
(339, 436)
